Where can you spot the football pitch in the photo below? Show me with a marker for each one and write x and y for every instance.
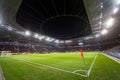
(60, 66)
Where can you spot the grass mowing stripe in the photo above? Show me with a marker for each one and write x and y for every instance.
(89, 71)
(65, 62)
(29, 64)
(104, 68)
(51, 67)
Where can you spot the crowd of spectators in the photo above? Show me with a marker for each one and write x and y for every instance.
(110, 47)
(44, 49)
(114, 51)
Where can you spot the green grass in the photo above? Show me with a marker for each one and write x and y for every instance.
(37, 67)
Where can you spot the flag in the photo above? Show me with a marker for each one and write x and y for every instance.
(81, 53)
(83, 59)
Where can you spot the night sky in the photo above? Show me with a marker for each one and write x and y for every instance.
(61, 19)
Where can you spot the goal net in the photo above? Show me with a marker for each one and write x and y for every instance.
(5, 53)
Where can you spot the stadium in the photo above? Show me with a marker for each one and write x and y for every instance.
(59, 39)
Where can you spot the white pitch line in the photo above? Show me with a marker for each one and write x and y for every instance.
(51, 67)
(2, 77)
(89, 71)
(113, 58)
(79, 71)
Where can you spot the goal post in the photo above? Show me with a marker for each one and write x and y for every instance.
(5, 53)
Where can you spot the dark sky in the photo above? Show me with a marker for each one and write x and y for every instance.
(61, 19)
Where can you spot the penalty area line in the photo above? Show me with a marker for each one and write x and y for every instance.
(52, 67)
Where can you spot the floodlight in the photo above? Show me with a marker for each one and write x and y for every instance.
(97, 35)
(80, 43)
(49, 39)
(56, 41)
(118, 2)
(101, 5)
(61, 41)
(105, 31)
(100, 22)
(68, 41)
(27, 33)
(109, 22)
(41, 37)
(10, 28)
(115, 10)
(36, 35)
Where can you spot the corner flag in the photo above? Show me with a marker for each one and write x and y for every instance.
(84, 63)
(81, 53)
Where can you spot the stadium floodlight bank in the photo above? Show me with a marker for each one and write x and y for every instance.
(5, 53)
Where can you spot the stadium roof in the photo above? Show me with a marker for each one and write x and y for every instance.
(61, 19)
(86, 18)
